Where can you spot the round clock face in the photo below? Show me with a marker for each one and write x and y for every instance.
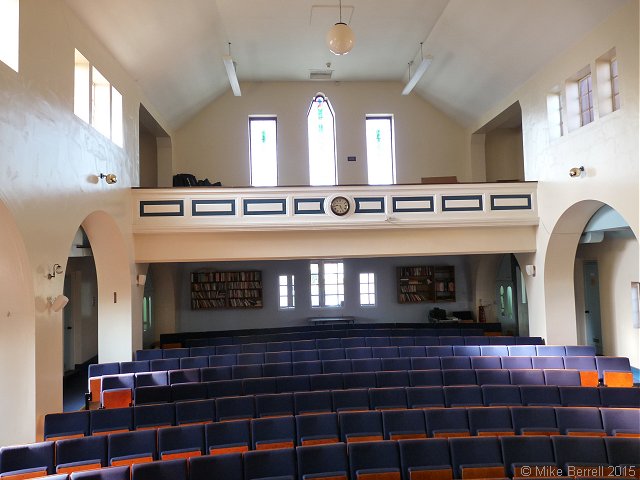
(340, 206)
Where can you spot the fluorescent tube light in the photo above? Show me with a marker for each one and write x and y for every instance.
(417, 75)
(231, 73)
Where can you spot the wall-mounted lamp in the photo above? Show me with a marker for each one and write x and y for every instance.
(58, 303)
(576, 172)
(110, 178)
(56, 270)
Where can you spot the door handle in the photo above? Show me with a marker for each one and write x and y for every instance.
(69, 328)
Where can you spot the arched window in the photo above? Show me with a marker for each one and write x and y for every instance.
(322, 142)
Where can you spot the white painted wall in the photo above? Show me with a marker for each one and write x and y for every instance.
(50, 159)
(387, 309)
(503, 154)
(608, 148)
(214, 143)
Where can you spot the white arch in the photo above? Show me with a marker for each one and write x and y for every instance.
(558, 272)
(17, 336)
(115, 279)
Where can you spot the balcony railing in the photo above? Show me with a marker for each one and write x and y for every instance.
(303, 208)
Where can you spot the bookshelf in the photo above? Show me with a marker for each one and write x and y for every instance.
(210, 290)
(420, 284)
(445, 283)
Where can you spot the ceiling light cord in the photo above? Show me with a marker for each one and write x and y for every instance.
(340, 4)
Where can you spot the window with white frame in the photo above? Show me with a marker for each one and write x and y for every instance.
(578, 101)
(607, 83)
(585, 97)
(327, 284)
(367, 289)
(96, 101)
(287, 292)
(322, 141)
(10, 33)
(380, 150)
(615, 86)
(263, 151)
(554, 115)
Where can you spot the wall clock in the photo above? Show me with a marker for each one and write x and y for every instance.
(340, 206)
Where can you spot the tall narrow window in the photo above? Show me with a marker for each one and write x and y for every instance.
(607, 89)
(322, 142)
(615, 87)
(10, 33)
(96, 101)
(263, 151)
(146, 313)
(585, 94)
(554, 115)
(367, 289)
(380, 157)
(287, 291)
(327, 284)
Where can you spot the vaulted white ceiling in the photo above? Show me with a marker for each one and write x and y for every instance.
(483, 49)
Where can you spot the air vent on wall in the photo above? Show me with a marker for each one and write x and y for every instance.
(320, 74)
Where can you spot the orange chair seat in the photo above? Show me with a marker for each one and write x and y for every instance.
(589, 378)
(618, 379)
(127, 462)
(79, 468)
(320, 441)
(221, 450)
(395, 475)
(482, 472)
(274, 445)
(431, 474)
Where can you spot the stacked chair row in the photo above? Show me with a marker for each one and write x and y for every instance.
(339, 332)
(82, 423)
(324, 343)
(122, 389)
(355, 353)
(250, 358)
(392, 427)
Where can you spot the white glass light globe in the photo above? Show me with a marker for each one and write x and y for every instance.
(340, 39)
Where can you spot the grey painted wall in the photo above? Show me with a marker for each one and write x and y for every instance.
(387, 309)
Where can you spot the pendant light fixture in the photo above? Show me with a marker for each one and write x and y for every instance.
(230, 66)
(340, 38)
(420, 71)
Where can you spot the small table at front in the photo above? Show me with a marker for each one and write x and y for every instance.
(332, 320)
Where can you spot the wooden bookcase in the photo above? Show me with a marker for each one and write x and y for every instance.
(444, 280)
(211, 290)
(425, 283)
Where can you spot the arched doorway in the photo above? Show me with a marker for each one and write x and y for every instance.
(605, 265)
(17, 338)
(564, 280)
(80, 320)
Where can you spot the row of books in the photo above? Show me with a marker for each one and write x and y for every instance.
(204, 277)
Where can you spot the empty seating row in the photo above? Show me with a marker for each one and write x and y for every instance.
(223, 368)
(329, 343)
(128, 448)
(82, 423)
(241, 337)
(346, 381)
(122, 390)
(599, 365)
(205, 358)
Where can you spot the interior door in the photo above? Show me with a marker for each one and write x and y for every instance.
(71, 286)
(593, 328)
